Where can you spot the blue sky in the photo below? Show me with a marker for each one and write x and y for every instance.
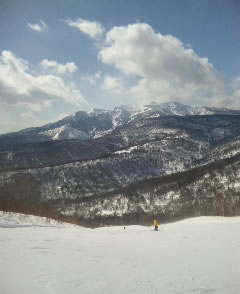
(58, 57)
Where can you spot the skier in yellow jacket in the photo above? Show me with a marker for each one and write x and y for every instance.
(155, 223)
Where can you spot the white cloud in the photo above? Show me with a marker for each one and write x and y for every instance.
(42, 27)
(112, 84)
(35, 105)
(92, 28)
(163, 68)
(235, 98)
(19, 85)
(236, 85)
(57, 67)
(28, 115)
(92, 79)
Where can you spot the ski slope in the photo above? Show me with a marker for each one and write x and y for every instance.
(200, 255)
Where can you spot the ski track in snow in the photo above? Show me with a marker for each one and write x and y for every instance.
(197, 256)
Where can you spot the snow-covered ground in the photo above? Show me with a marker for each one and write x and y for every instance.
(200, 255)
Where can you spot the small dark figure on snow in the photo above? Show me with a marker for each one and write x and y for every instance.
(155, 224)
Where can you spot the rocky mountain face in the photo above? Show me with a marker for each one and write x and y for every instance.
(164, 160)
(96, 123)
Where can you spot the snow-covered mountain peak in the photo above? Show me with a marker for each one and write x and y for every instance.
(97, 111)
(65, 132)
(128, 108)
(81, 115)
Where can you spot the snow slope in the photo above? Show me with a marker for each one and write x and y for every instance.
(64, 132)
(199, 255)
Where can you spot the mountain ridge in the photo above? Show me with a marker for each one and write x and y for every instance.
(95, 123)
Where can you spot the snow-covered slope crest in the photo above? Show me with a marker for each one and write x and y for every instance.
(15, 220)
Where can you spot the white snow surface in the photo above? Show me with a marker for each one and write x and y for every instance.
(199, 255)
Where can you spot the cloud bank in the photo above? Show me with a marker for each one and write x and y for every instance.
(19, 85)
(164, 69)
(112, 84)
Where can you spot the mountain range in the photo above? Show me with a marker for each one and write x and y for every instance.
(86, 125)
(128, 164)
